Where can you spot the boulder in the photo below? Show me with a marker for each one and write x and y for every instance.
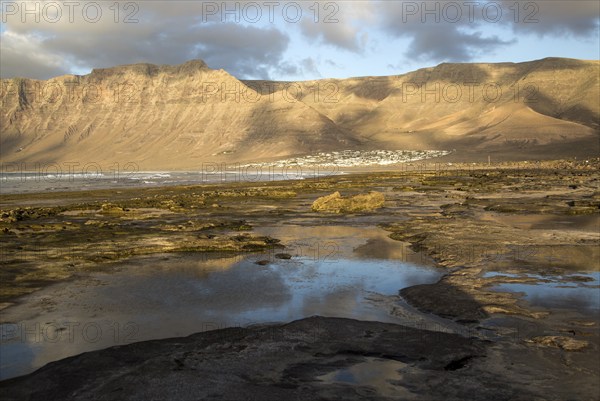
(335, 203)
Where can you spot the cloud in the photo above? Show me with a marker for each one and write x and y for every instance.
(579, 18)
(332, 63)
(448, 43)
(439, 31)
(176, 31)
(447, 30)
(339, 24)
(24, 56)
(164, 34)
(309, 66)
(342, 36)
(243, 51)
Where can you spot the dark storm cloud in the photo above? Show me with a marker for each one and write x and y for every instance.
(579, 18)
(447, 43)
(241, 50)
(165, 34)
(440, 31)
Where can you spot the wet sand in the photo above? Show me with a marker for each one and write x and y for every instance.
(510, 313)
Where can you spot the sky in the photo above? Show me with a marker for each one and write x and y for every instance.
(291, 40)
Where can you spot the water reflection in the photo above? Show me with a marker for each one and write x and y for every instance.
(580, 292)
(373, 372)
(175, 295)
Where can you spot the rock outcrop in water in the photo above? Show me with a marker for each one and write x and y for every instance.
(182, 117)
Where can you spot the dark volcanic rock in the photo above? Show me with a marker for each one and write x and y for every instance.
(270, 363)
(283, 256)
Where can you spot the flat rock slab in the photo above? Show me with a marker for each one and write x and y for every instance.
(275, 362)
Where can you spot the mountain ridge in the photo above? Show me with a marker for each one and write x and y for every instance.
(177, 117)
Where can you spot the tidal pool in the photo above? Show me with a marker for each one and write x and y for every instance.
(579, 292)
(376, 373)
(173, 295)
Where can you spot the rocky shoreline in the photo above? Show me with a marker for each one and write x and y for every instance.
(497, 233)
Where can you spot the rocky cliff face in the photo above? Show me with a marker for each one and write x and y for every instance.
(158, 117)
(178, 117)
